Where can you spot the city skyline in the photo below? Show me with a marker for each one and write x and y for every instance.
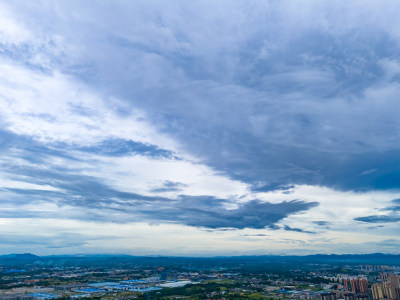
(199, 128)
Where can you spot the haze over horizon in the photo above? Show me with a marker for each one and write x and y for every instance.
(194, 128)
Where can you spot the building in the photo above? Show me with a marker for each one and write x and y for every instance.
(355, 286)
(388, 289)
(346, 283)
(349, 296)
(69, 287)
(328, 296)
(363, 285)
(377, 291)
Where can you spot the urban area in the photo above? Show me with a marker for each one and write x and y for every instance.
(26, 277)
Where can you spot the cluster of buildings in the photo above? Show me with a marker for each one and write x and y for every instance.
(345, 296)
(349, 288)
(356, 285)
(388, 288)
(322, 283)
(98, 289)
(357, 288)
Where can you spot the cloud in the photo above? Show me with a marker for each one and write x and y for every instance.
(395, 207)
(288, 228)
(253, 214)
(65, 186)
(62, 240)
(98, 200)
(322, 223)
(121, 147)
(396, 201)
(77, 190)
(205, 114)
(169, 186)
(260, 187)
(100, 203)
(319, 81)
(288, 94)
(378, 219)
(256, 235)
(393, 216)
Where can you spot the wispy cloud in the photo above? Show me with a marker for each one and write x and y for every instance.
(378, 219)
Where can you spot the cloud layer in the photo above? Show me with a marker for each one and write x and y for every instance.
(248, 115)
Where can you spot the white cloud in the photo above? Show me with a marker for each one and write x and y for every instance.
(56, 108)
(12, 32)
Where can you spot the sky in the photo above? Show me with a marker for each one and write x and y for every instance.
(199, 128)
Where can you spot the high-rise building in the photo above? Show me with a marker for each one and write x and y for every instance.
(346, 283)
(354, 285)
(389, 288)
(363, 285)
(394, 280)
(377, 291)
(390, 291)
(328, 296)
(349, 296)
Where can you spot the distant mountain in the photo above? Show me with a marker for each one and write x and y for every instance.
(266, 261)
(20, 256)
(18, 259)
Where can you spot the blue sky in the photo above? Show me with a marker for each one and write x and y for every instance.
(199, 127)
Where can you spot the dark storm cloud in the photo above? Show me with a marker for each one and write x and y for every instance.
(199, 211)
(271, 98)
(253, 214)
(95, 199)
(267, 107)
